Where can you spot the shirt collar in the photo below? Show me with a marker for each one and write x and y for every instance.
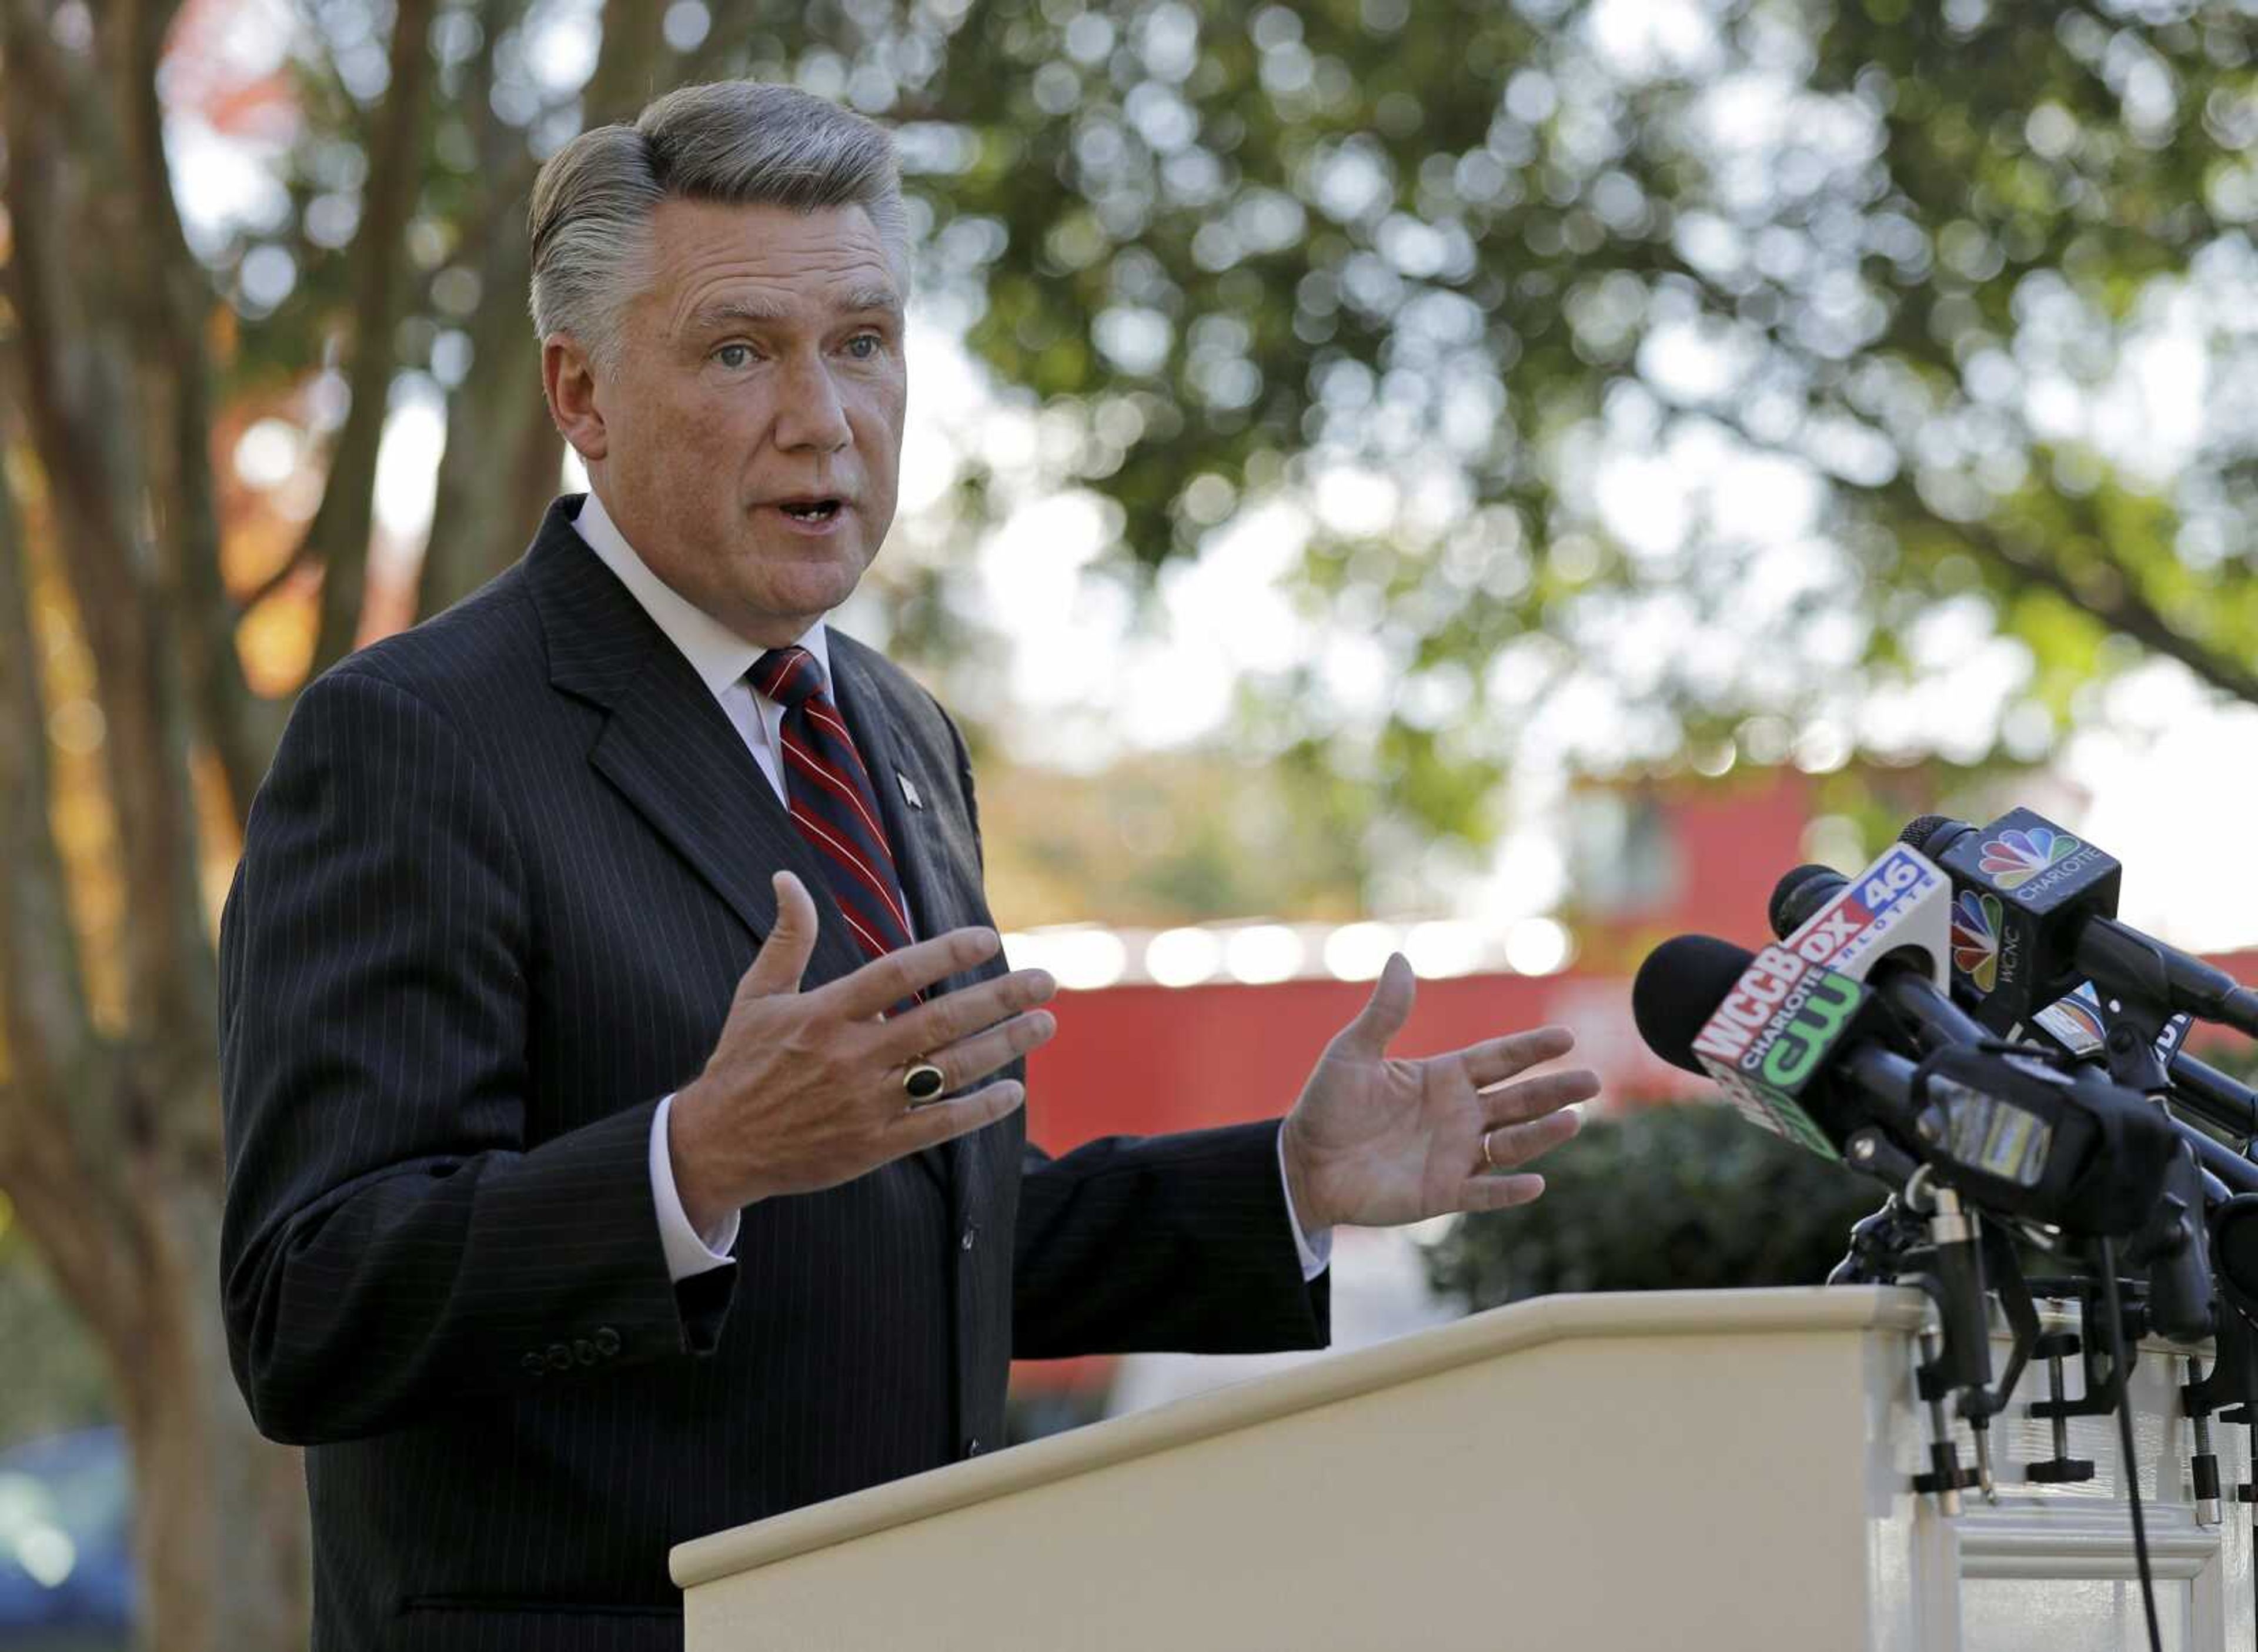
(717, 653)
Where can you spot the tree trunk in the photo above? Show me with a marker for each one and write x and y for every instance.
(110, 1123)
(338, 536)
(109, 1126)
(219, 1515)
(499, 469)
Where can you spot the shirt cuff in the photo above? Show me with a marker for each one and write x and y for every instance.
(688, 1251)
(1316, 1253)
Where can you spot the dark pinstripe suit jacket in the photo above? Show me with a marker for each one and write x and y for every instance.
(494, 901)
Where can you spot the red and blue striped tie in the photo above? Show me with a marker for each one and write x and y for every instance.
(829, 796)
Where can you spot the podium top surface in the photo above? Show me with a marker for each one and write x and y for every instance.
(1324, 1382)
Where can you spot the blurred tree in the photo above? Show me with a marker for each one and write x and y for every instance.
(1750, 356)
(155, 612)
(51, 1374)
(1171, 838)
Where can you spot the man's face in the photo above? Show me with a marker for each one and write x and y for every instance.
(748, 440)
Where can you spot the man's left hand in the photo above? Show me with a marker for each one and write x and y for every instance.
(1378, 1141)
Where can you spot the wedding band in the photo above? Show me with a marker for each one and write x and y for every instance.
(1487, 1159)
(922, 1081)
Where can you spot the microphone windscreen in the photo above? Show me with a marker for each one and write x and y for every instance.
(1800, 894)
(1937, 829)
(1679, 989)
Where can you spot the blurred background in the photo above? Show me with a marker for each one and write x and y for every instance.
(1502, 480)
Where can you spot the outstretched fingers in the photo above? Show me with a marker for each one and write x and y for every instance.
(928, 1126)
(1497, 1060)
(1517, 1144)
(1498, 1192)
(1537, 1097)
(998, 1046)
(951, 1016)
(884, 981)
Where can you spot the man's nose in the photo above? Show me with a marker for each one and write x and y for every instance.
(812, 417)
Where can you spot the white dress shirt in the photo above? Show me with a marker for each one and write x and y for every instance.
(722, 658)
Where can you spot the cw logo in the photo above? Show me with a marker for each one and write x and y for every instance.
(1975, 937)
(1814, 1030)
(2016, 856)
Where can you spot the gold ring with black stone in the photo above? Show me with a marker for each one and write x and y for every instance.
(922, 1081)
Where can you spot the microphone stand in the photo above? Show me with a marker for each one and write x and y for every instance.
(2174, 1244)
(1925, 1238)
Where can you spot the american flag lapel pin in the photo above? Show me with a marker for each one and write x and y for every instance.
(909, 791)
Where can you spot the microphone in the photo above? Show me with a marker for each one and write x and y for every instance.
(2171, 1238)
(2078, 1025)
(2234, 1247)
(1758, 1026)
(1789, 1041)
(1889, 926)
(2202, 1088)
(2037, 914)
(2072, 1149)
(2074, 1022)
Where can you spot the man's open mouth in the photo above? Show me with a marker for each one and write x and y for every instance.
(810, 510)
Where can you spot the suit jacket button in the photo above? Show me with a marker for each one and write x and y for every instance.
(972, 1447)
(971, 1229)
(607, 1341)
(584, 1351)
(535, 1363)
(560, 1357)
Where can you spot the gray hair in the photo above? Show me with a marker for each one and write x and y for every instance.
(736, 142)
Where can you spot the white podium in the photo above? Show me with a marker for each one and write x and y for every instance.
(1675, 1471)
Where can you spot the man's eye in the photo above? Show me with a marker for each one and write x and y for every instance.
(863, 346)
(734, 354)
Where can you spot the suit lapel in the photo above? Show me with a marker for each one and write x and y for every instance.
(667, 747)
(672, 753)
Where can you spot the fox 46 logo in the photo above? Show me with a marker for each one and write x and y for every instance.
(1869, 910)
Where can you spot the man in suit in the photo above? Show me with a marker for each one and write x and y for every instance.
(622, 1082)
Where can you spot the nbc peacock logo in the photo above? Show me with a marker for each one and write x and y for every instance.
(2081, 1009)
(1976, 939)
(2016, 856)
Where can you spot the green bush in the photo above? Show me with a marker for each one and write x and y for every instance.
(1678, 1197)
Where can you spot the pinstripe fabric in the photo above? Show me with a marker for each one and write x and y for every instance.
(494, 898)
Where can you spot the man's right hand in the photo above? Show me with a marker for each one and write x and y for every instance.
(803, 1089)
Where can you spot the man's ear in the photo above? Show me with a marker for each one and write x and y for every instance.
(568, 378)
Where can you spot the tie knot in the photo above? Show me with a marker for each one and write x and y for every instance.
(789, 676)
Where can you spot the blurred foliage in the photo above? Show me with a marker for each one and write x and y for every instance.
(51, 1373)
(1172, 838)
(1673, 1197)
(1518, 265)
(1497, 301)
